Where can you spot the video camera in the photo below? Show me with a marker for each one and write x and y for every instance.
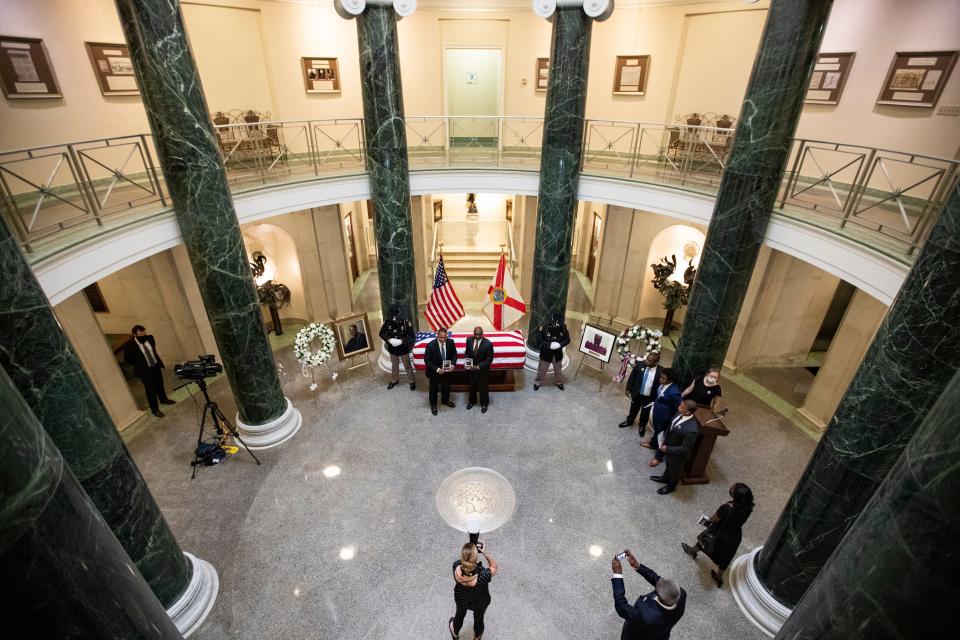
(202, 367)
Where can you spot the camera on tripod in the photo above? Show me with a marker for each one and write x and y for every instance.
(203, 367)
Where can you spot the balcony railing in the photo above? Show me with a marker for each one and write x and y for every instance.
(55, 195)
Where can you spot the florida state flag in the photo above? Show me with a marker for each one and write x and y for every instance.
(503, 305)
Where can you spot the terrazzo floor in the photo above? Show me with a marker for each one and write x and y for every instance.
(364, 555)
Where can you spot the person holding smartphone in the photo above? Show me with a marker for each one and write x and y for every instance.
(652, 616)
(471, 592)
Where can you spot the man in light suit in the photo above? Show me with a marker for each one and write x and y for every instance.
(652, 616)
(678, 441)
(140, 352)
(437, 351)
(480, 350)
(642, 388)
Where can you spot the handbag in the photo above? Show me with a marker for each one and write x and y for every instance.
(707, 540)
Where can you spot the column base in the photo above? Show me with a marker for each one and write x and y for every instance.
(532, 360)
(273, 433)
(760, 607)
(193, 606)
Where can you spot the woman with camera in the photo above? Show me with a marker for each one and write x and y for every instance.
(471, 592)
(724, 531)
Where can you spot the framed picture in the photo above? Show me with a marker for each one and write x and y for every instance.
(917, 78)
(320, 75)
(830, 73)
(437, 210)
(352, 334)
(113, 69)
(630, 75)
(543, 71)
(597, 342)
(25, 69)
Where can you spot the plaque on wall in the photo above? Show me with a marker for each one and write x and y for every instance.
(113, 68)
(630, 75)
(25, 69)
(829, 77)
(543, 71)
(917, 78)
(320, 75)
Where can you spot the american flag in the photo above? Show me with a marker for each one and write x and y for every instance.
(509, 349)
(443, 307)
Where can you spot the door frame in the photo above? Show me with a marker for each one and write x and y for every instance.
(501, 90)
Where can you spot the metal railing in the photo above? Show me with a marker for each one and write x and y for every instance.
(886, 199)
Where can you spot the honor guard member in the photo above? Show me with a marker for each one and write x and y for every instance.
(555, 337)
(398, 335)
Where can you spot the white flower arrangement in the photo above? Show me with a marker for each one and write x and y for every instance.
(648, 339)
(308, 358)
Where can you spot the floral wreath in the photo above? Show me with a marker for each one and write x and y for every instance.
(301, 346)
(640, 333)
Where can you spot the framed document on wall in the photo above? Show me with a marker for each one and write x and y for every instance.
(25, 69)
(113, 68)
(917, 78)
(630, 75)
(543, 73)
(320, 75)
(829, 77)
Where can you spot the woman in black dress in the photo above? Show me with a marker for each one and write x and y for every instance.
(726, 525)
(705, 389)
(471, 592)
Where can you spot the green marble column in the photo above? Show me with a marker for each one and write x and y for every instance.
(387, 162)
(559, 166)
(748, 188)
(187, 147)
(894, 575)
(48, 374)
(64, 573)
(912, 358)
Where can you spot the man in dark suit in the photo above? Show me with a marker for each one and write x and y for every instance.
(481, 351)
(678, 441)
(652, 616)
(437, 351)
(140, 352)
(642, 388)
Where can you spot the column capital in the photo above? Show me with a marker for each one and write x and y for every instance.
(599, 10)
(350, 9)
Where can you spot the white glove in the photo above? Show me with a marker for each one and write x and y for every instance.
(396, 342)
(554, 345)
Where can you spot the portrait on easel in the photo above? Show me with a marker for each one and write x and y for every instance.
(353, 336)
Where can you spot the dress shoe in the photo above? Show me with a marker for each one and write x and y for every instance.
(536, 387)
(560, 386)
(624, 424)
(690, 551)
(643, 433)
(483, 409)
(658, 479)
(654, 462)
(717, 577)
(646, 445)
(452, 405)
(159, 414)
(470, 405)
(413, 386)
(433, 410)
(391, 385)
(665, 490)
(167, 401)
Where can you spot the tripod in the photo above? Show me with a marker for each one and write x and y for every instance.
(218, 419)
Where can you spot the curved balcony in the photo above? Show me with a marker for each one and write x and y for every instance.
(56, 197)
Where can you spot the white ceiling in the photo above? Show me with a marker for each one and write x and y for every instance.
(501, 5)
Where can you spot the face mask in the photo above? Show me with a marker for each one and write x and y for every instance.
(142, 339)
(711, 379)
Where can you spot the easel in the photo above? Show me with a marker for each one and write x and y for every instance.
(351, 364)
(600, 369)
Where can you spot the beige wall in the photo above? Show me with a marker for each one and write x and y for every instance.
(781, 324)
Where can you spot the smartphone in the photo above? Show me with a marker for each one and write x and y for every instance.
(622, 556)
(479, 546)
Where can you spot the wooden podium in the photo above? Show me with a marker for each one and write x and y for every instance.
(695, 468)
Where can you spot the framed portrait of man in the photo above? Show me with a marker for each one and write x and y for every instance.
(597, 342)
(353, 336)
